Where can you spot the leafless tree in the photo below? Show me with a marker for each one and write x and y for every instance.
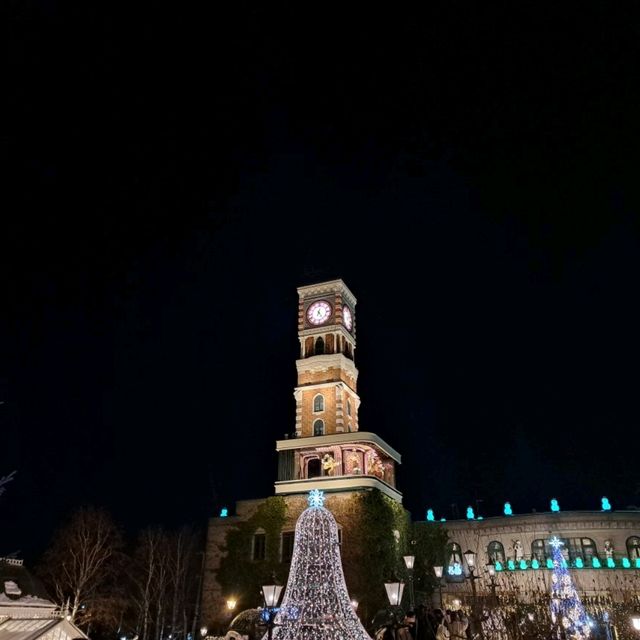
(5, 480)
(82, 565)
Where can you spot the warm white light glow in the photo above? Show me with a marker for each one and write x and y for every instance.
(471, 558)
(408, 561)
(354, 604)
(203, 631)
(635, 621)
(492, 570)
(394, 592)
(438, 571)
(231, 604)
(271, 594)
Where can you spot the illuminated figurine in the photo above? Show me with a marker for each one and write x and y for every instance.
(329, 463)
(608, 549)
(517, 550)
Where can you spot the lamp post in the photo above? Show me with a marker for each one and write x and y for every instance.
(394, 594)
(470, 557)
(271, 594)
(491, 570)
(409, 561)
(438, 571)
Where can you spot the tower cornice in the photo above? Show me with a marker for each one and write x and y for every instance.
(331, 286)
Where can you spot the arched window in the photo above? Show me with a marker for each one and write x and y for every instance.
(495, 552)
(454, 568)
(319, 346)
(314, 469)
(633, 548)
(538, 550)
(589, 550)
(318, 428)
(318, 403)
(348, 407)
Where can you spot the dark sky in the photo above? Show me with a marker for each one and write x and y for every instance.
(171, 176)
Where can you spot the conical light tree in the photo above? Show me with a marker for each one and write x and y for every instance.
(567, 612)
(316, 603)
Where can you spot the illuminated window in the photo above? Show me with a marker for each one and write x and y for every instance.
(454, 568)
(633, 547)
(259, 546)
(538, 550)
(318, 428)
(495, 552)
(318, 403)
(287, 545)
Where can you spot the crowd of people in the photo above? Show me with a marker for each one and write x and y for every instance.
(428, 624)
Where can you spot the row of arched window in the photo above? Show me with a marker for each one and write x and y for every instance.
(584, 548)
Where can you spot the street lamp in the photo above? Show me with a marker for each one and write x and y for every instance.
(635, 621)
(394, 594)
(470, 557)
(271, 594)
(409, 562)
(203, 631)
(438, 571)
(491, 570)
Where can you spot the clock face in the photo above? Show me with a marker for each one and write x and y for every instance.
(319, 312)
(347, 317)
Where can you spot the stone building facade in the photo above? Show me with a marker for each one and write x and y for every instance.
(601, 548)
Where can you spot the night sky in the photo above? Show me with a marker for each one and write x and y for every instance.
(170, 178)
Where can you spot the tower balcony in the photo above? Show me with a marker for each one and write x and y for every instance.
(335, 462)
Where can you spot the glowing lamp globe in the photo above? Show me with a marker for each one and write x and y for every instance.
(394, 592)
(271, 594)
(438, 571)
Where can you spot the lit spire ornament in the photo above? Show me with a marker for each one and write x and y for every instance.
(316, 604)
(567, 613)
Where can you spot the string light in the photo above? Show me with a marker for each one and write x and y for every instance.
(316, 604)
(566, 607)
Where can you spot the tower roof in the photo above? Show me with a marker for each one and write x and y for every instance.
(330, 286)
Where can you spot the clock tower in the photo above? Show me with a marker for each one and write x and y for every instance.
(329, 451)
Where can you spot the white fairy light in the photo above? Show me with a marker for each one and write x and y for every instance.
(316, 604)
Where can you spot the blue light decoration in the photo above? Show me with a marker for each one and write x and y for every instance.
(511, 565)
(625, 563)
(606, 505)
(479, 518)
(637, 563)
(523, 564)
(443, 519)
(316, 498)
(611, 563)
(470, 514)
(430, 516)
(566, 607)
(595, 563)
(499, 566)
(455, 569)
(535, 564)
(549, 563)
(579, 563)
(507, 509)
(224, 512)
(555, 507)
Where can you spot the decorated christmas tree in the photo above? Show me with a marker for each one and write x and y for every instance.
(316, 603)
(567, 613)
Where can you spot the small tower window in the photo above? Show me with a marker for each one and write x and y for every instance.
(318, 428)
(318, 403)
(319, 346)
(348, 407)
